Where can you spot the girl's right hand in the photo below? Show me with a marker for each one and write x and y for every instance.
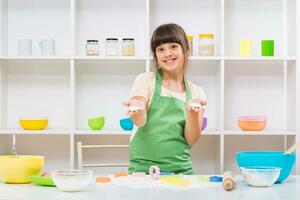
(134, 106)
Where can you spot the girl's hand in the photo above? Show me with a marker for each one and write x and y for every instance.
(196, 104)
(134, 106)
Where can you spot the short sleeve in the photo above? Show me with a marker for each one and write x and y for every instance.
(142, 86)
(198, 93)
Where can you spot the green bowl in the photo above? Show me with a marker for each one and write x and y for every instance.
(96, 123)
(42, 180)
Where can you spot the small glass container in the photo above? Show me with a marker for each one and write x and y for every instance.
(128, 47)
(112, 46)
(190, 43)
(206, 44)
(92, 48)
(245, 47)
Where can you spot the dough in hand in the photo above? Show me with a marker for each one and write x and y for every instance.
(134, 108)
(195, 105)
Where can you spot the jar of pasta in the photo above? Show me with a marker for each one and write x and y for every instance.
(112, 46)
(92, 48)
(206, 44)
(128, 47)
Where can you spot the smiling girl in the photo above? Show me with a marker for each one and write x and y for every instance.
(166, 108)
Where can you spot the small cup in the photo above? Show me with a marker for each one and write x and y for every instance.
(267, 47)
(245, 48)
(25, 47)
(126, 124)
(96, 123)
(47, 47)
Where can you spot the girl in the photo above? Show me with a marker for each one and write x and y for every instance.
(166, 108)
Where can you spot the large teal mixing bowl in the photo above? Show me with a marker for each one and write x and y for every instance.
(268, 158)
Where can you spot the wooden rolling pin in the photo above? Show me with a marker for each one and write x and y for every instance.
(228, 180)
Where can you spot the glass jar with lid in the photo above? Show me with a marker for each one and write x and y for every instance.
(92, 48)
(112, 46)
(206, 44)
(128, 47)
(190, 43)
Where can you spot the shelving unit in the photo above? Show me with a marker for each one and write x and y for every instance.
(70, 87)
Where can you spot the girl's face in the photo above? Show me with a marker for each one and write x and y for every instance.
(170, 57)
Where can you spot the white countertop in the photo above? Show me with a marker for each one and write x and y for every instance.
(288, 190)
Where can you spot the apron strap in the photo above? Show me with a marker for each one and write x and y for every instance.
(158, 81)
(187, 90)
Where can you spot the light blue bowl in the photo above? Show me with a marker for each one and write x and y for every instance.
(126, 124)
(260, 176)
(268, 159)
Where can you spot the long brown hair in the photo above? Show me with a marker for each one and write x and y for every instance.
(169, 33)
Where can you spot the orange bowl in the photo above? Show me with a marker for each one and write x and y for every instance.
(252, 123)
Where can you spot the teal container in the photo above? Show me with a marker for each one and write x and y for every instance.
(267, 47)
(268, 159)
(126, 124)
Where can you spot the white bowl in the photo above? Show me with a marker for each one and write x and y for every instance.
(260, 176)
(72, 180)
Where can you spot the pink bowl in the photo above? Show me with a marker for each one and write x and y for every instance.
(252, 123)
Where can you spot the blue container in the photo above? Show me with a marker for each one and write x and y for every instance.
(268, 159)
(126, 124)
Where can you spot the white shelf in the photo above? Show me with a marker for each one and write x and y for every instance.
(257, 58)
(291, 58)
(63, 132)
(128, 133)
(111, 58)
(135, 58)
(35, 57)
(34, 132)
(258, 133)
(101, 132)
(211, 132)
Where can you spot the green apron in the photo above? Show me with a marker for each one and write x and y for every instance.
(161, 141)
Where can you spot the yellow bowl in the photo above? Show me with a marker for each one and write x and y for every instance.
(34, 124)
(17, 169)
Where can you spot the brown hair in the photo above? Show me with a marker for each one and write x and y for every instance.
(169, 33)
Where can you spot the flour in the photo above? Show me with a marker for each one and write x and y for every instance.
(260, 178)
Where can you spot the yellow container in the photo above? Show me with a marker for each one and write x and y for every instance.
(33, 123)
(17, 169)
(245, 48)
(190, 43)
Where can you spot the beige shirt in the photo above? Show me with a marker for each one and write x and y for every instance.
(144, 86)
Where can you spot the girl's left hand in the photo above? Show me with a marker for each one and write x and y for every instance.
(196, 104)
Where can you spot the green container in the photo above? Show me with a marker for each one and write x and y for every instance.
(42, 180)
(96, 123)
(267, 47)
